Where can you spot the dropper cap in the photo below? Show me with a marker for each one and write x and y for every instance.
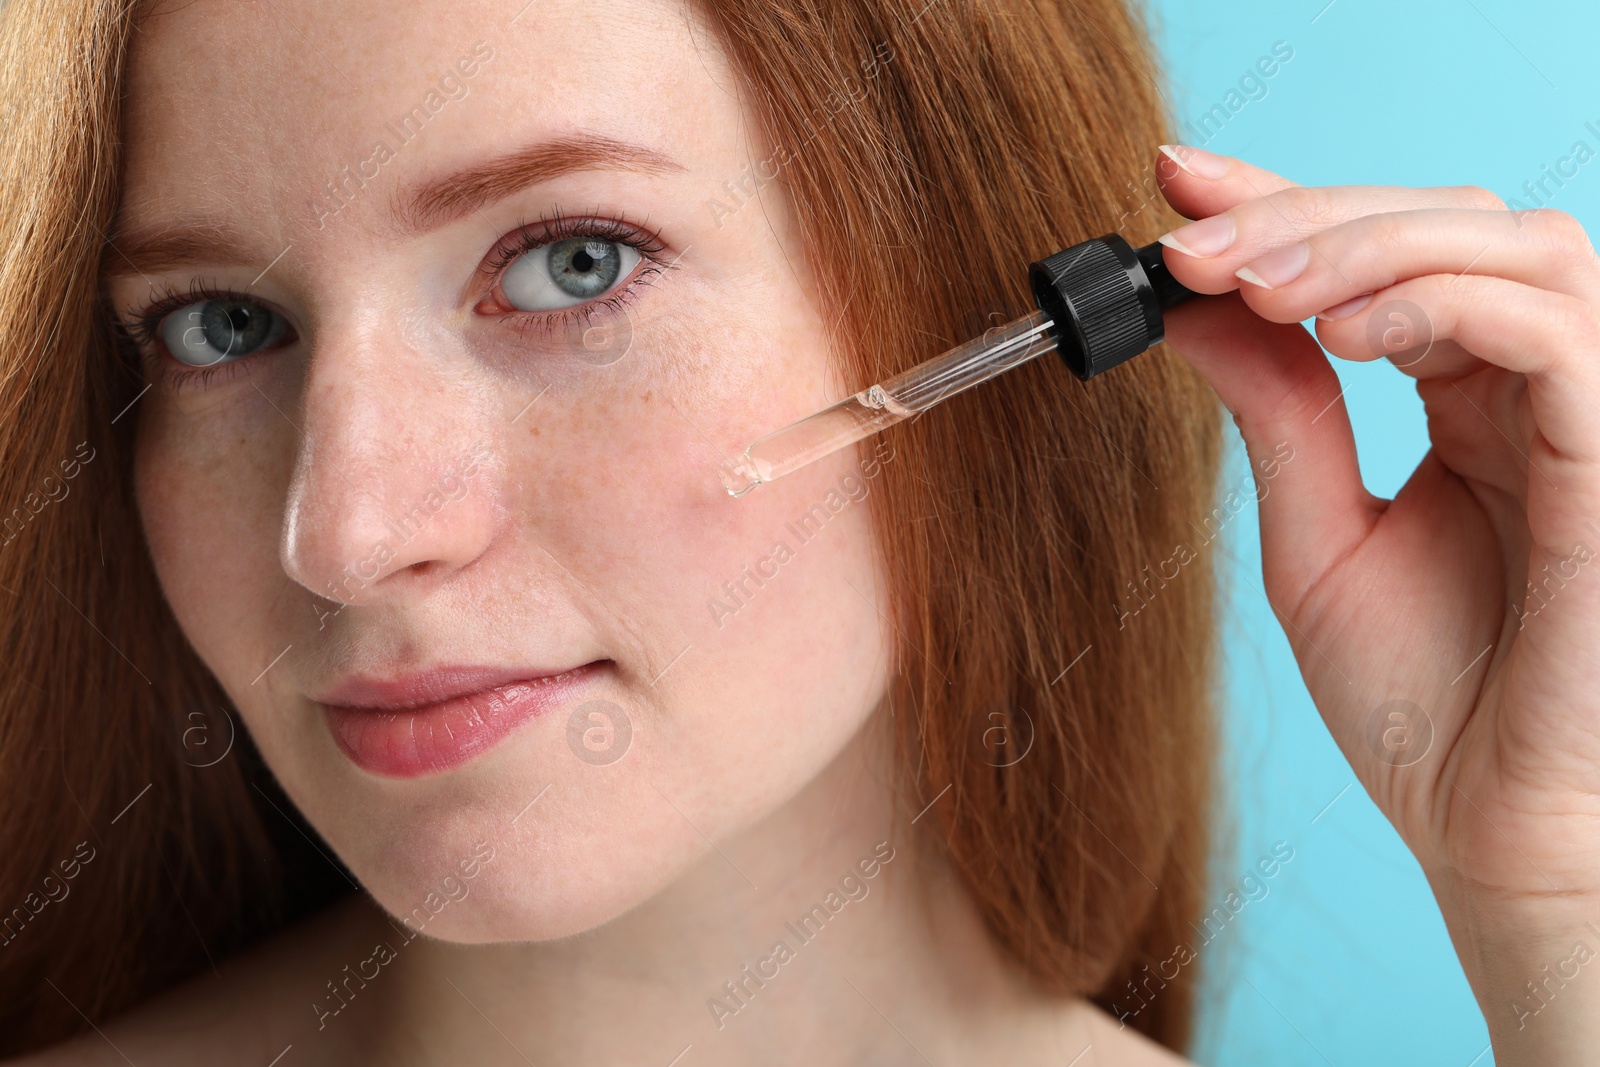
(1104, 299)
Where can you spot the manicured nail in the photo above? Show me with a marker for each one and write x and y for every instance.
(1203, 239)
(1196, 161)
(1346, 309)
(1277, 268)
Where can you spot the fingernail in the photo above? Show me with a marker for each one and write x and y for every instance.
(1277, 268)
(1346, 309)
(1196, 161)
(1203, 239)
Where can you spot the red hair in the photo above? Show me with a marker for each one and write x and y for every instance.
(931, 152)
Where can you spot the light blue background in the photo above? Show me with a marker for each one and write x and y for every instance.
(1346, 960)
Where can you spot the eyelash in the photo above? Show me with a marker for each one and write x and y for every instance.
(553, 227)
(141, 327)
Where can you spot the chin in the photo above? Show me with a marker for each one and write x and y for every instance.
(560, 884)
(523, 847)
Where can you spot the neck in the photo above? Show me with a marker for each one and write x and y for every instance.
(830, 931)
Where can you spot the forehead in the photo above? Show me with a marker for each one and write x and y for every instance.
(256, 108)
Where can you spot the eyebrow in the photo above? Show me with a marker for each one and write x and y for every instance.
(445, 199)
(421, 208)
(151, 251)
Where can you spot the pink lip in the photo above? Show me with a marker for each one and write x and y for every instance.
(428, 722)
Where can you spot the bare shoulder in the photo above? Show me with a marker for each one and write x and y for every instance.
(1111, 1044)
(251, 1010)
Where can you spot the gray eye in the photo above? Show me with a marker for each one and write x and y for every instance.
(566, 272)
(213, 331)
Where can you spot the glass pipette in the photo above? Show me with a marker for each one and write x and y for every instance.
(1100, 304)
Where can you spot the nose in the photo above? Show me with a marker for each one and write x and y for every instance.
(394, 484)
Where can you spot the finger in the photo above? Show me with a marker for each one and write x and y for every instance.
(1199, 184)
(1205, 255)
(1402, 332)
(1479, 419)
(1548, 336)
(1482, 426)
(1283, 394)
(1547, 249)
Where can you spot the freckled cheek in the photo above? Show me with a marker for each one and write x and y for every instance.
(629, 501)
(621, 471)
(785, 652)
(207, 516)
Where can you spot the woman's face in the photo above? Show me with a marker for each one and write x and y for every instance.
(465, 305)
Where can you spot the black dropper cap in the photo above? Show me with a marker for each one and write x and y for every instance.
(1104, 299)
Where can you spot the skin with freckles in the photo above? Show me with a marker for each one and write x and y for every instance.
(418, 470)
(445, 346)
(593, 532)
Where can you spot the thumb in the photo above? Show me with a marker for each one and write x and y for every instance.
(1287, 402)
